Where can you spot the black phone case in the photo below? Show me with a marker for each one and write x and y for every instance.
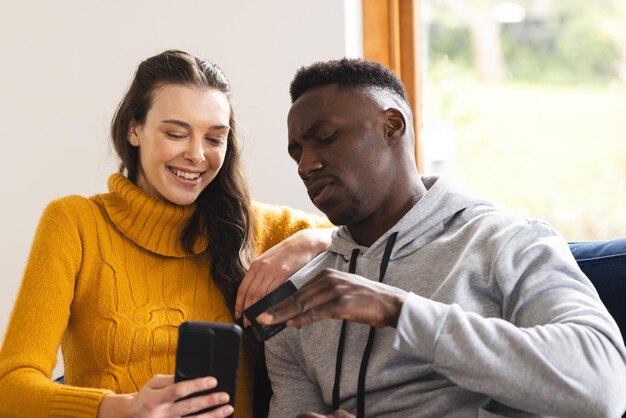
(209, 349)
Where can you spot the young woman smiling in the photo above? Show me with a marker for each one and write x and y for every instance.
(115, 274)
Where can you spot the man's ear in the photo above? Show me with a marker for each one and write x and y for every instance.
(133, 137)
(395, 126)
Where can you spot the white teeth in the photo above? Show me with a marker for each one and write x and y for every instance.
(186, 175)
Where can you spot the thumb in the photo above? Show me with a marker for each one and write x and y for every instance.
(160, 381)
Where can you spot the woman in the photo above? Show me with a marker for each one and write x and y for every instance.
(111, 277)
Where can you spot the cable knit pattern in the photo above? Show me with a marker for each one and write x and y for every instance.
(108, 279)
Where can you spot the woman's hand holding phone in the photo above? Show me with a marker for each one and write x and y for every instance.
(158, 399)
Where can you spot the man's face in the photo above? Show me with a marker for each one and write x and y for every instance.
(337, 137)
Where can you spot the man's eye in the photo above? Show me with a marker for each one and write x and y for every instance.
(328, 138)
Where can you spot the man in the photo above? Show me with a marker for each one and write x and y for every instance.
(429, 301)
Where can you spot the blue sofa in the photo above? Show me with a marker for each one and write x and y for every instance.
(604, 262)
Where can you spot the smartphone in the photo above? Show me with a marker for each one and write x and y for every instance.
(209, 349)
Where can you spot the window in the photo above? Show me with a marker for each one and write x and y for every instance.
(525, 101)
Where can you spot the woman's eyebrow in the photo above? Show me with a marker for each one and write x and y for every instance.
(185, 125)
(180, 123)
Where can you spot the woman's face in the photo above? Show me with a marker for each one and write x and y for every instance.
(182, 143)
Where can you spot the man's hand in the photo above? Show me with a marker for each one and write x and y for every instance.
(339, 295)
(339, 413)
(273, 267)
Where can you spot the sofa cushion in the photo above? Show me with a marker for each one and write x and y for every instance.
(604, 262)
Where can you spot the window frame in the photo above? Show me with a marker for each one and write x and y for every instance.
(392, 37)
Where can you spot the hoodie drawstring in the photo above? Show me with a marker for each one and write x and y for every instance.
(370, 339)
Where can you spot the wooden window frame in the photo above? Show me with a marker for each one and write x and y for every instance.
(391, 37)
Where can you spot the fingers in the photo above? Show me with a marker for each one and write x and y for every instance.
(264, 276)
(311, 415)
(199, 403)
(277, 264)
(161, 396)
(261, 291)
(321, 298)
(224, 411)
(185, 388)
(257, 290)
(299, 309)
(338, 295)
(243, 291)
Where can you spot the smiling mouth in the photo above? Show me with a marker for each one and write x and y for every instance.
(185, 174)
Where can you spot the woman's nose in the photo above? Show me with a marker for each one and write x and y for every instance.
(195, 151)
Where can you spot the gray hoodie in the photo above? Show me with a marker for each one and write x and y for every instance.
(499, 320)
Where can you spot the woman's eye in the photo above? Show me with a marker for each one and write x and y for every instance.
(216, 141)
(175, 136)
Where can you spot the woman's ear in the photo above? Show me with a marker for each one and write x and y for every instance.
(133, 137)
(395, 126)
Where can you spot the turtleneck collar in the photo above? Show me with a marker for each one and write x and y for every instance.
(147, 221)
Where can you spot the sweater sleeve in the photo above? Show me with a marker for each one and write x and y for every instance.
(39, 318)
(556, 352)
(293, 391)
(275, 223)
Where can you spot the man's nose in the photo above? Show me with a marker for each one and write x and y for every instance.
(308, 164)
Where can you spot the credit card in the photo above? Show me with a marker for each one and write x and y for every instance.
(265, 332)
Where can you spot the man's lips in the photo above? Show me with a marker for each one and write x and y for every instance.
(316, 187)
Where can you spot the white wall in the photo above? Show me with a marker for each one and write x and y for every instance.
(64, 65)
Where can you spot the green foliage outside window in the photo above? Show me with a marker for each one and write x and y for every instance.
(547, 138)
(573, 44)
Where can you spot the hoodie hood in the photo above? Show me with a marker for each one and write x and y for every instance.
(443, 200)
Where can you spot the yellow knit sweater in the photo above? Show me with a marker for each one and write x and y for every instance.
(108, 280)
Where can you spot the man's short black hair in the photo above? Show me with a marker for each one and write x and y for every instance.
(346, 72)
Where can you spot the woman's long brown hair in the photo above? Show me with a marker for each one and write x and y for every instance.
(223, 209)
